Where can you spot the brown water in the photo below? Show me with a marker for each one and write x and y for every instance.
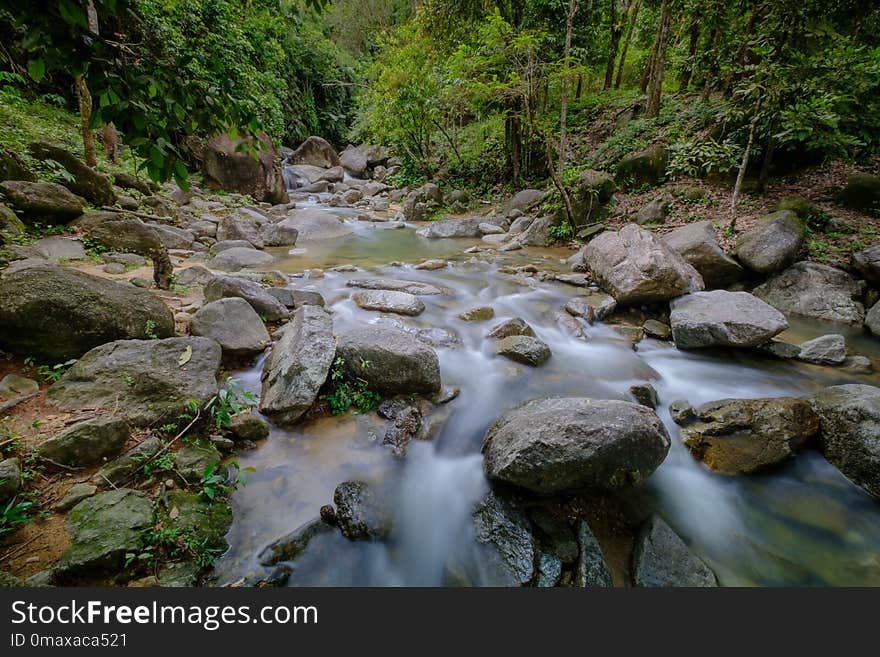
(801, 524)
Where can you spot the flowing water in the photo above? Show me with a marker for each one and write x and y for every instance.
(802, 524)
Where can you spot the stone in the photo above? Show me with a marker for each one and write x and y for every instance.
(872, 319)
(134, 236)
(655, 212)
(227, 167)
(42, 203)
(635, 267)
(267, 306)
(204, 522)
(524, 200)
(506, 536)
(824, 350)
(646, 167)
(247, 426)
(481, 314)
(284, 233)
(298, 365)
(238, 258)
(538, 233)
(862, 192)
(592, 570)
(53, 248)
(577, 280)
(696, 243)
(333, 174)
(11, 227)
(55, 313)
(681, 411)
(410, 287)
(457, 228)
(242, 228)
(565, 444)
(86, 443)
(511, 327)
(655, 329)
(121, 469)
(195, 275)
(858, 365)
(850, 419)
(76, 494)
(742, 436)
(145, 381)
(662, 559)
(85, 181)
(353, 161)
(391, 361)
(431, 265)
(867, 263)
(490, 229)
(192, 461)
(103, 529)
(173, 237)
(772, 244)
(591, 306)
(592, 192)
(316, 152)
(781, 349)
(313, 224)
(524, 349)
(13, 167)
(233, 324)
(809, 289)
(290, 546)
(645, 394)
(13, 385)
(361, 512)
(549, 570)
(113, 268)
(10, 479)
(723, 319)
(389, 301)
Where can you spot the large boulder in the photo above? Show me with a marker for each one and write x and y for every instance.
(593, 190)
(556, 445)
(862, 192)
(538, 232)
(417, 288)
(144, 381)
(267, 306)
(696, 243)
(315, 151)
(723, 319)
(635, 267)
(850, 420)
(524, 349)
(298, 365)
(506, 535)
(525, 200)
(391, 361)
(448, 228)
(86, 443)
(808, 289)
(740, 436)
(42, 203)
(242, 226)
(773, 243)
(233, 324)
(647, 167)
(662, 559)
(389, 301)
(228, 164)
(314, 224)
(54, 313)
(87, 182)
(238, 258)
(362, 512)
(354, 162)
(824, 350)
(867, 263)
(283, 233)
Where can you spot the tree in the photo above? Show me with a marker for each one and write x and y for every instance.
(658, 62)
(633, 16)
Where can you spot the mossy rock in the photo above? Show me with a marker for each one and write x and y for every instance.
(647, 167)
(205, 521)
(11, 227)
(862, 192)
(191, 461)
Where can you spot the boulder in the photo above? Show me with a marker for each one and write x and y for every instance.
(872, 319)
(333, 174)
(591, 306)
(86, 182)
(10, 479)
(850, 419)
(245, 425)
(192, 461)
(647, 167)
(565, 444)
(228, 164)
(103, 529)
(388, 301)
(316, 152)
(410, 287)
(696, 243)
(298, 365)
(145, 381)
(267, 306)
(515, 326)
(655, 212)
(741, 436)
(55, 248)
(592, 570)
(120, 470)
(42, 203)
(824, 350)
(593, 190)
(241, 227)
(76, 494)
(290, 546)
(662, 559)
(862, 192)
(238, 258)
(524, 349)
(284, 233)
(134, 236)
(538, 232)
(525, 200)
(808, 289)
(13, 385)
(354, 161)
(314, 224)
(479, 314)
(86, 443)
(391, 361)
(772, 244)
(867, 263)
(723, 319)
(11, 227)
(54, 313)
(204, 522)
(635, 267)
(362, 513)
(173, 237)
(233, 324)
(461, 228)
(506, 535)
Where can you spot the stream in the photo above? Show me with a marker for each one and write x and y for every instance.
(801, 524)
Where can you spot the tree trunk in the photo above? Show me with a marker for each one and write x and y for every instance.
(656, 84)
(769, 151)
(110, 139)
(616, 30)
(629, 32)
(648, 71)
(85, 115)
(563, 101)
(742, 172)
(685, 80)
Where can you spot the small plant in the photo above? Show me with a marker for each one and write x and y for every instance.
(217, 483)
(162, 463)
(231, 400)
(14, 513)
(697, 158)
(150, 329)
(561, 232)
(49, 374)
(347, 393)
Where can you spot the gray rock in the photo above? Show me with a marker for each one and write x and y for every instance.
(525, 200)
(87, 442)
(13, 385)
(772, 244)
(646, 167)
(194, 276)
(809, 289)
(76, 494)
(191, 461)
(10, 479)
(53, 248)
(549, 570)
(557, 445)
(431, 265)
(634, 267)
(661, 559)
(290, 546)
(123, 468)
(538, 232)
(824, 350)
(696, 243)
(284, 233)
(656, 329)
(450, 228)
(505, 533)
(298, 365)
(655, 212)
(645, 394)
(144, 380)
(867, 262)
(490, 229)
(511, 327)
(243, 227)
(872, 319)
(316, 152)
(723, 319)
(43, 203)
(388, 301)
(173, 237)
(858, 365)
(410, 287)
(232, 323)
(225, 245)
(247, 426)
(361, 511)
(238, 258)
(781, 349)
(267, 306)
(524, 349)
(353, 161)
(591, 306)
(592, 570)
(480, 314)
(390, 361)
(850, 420)
(313, 224)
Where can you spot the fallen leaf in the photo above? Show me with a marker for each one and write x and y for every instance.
(174, 513)
(185, 356)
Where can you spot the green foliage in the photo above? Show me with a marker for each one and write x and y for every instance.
(696, 158)
(150, 329)
(349, 393)
(562, 232)
(222, 482)
(13, 514)
(154, 465)
(232, 399)
(48, 373)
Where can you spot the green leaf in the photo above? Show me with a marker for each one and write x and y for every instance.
(36, 69)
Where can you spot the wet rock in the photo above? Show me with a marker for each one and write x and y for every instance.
(191, 461)
(389, 301)
(290, 546)
(145, 381)
(389, 360)
(361, 512)
(591, 306)
(557, 445)
(569, 325)
(506, 534)
(723, 319)
(772, 244)
(280, 234)
(741, 436)
(858, 365)
(635, 267)
(227, 167)
(10, 479)
(87, 442)
(780, 349)
(103, 529)
(645, 394)
(850, 420)
(449, 228)
(808, 289)
(662, 559)
(179, 574)
(681, 411)
(824, 350)
(511, 327)
(434, 336)
(202, 521)
(42, 203)
(592, 570)
(410, 287)
(406, 426)
(76, 494)
(549, 570)
(55, 313)
(267, 306)
(247, 426)
(524, 349)
(481, 314)
(696, 243)
(655, 329)
(555, 533)
(233, 324)
(298, 365)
